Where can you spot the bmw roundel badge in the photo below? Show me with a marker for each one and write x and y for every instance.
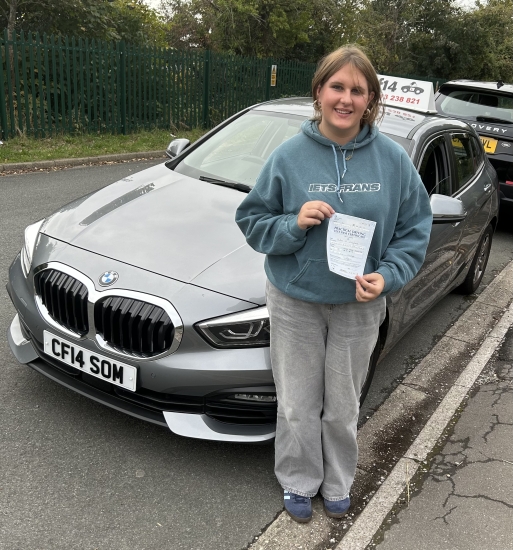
(108, 278)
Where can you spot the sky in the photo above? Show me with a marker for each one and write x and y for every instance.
(153, 3)
(465, 3)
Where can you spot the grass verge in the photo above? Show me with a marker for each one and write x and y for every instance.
(28, 149)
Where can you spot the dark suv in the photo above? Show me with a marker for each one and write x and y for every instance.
(488, 108)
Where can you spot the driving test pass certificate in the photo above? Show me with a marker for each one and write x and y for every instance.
(348, 244)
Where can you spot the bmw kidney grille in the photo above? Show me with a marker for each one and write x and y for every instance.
(65, 298)
(127, 325)
(133, 326)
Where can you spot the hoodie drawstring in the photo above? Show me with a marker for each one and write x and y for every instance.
(339, 177)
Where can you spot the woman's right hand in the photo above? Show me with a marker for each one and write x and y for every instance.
(312, 213)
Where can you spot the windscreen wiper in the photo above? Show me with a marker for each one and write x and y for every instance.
(239, 186)
(493, 119)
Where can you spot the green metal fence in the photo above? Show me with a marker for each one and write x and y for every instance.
(64, 85)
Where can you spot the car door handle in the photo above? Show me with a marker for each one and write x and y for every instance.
(487, 187)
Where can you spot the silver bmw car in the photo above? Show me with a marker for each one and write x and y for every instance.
(144, 296)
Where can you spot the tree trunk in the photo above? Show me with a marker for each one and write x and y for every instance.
(11, 21)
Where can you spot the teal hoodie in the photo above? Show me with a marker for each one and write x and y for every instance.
(378, 182)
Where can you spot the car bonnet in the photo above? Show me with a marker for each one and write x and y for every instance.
(166, 223)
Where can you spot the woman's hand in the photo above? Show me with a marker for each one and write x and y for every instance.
(312, 213)
(369, 287)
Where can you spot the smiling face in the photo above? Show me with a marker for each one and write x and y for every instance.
(343, 99)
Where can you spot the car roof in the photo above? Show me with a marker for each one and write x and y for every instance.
(480, 85)
(302, 106)
(402, 123)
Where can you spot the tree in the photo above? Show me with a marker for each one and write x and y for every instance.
(129, 20)
(246, 27)
(438, 38)
(9, 12)
(294, 29)
(335, 23)
(482, 43)
(401, 34)
(135, 22)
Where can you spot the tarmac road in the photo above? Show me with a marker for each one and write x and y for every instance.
(76, 474)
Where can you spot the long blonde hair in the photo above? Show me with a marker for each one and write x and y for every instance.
(355, 57)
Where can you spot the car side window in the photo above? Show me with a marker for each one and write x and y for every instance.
(478, 152)
(434, 168)
(462, 148)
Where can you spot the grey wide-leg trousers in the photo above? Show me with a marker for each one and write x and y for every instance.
(320, 356)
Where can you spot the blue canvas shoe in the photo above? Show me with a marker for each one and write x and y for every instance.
(336, 508)
(299, 508)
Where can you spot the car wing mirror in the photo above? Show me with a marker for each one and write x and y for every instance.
(447, 209)
(176, 147)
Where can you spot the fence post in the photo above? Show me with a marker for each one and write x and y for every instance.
(9, 77)
(122, 85)
(3, 97)
(268, 79)
(206, 89)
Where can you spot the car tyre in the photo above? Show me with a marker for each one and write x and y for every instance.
(478, 266)
(373, 361)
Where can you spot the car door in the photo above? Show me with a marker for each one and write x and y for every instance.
(473, 187)
(435, 167)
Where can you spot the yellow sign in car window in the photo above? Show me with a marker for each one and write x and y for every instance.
(489, 144)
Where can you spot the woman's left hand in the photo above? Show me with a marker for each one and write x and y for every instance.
(369, 287)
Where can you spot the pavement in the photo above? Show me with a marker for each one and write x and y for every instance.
(463, 499)
(59, 164)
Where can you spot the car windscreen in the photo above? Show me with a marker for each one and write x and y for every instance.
(467, 103)
(237, 152)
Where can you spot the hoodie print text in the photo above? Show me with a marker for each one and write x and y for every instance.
(344, 187)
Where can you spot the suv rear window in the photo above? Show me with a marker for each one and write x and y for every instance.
(464, 102)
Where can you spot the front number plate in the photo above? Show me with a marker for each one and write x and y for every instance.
(91, 363)
(489, 144)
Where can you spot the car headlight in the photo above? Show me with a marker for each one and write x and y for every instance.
(239, 330)
(31, 233)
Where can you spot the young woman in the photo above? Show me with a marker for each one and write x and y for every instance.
(324, 326)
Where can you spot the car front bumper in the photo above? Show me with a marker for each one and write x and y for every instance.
(195, 425)
(188, 392)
